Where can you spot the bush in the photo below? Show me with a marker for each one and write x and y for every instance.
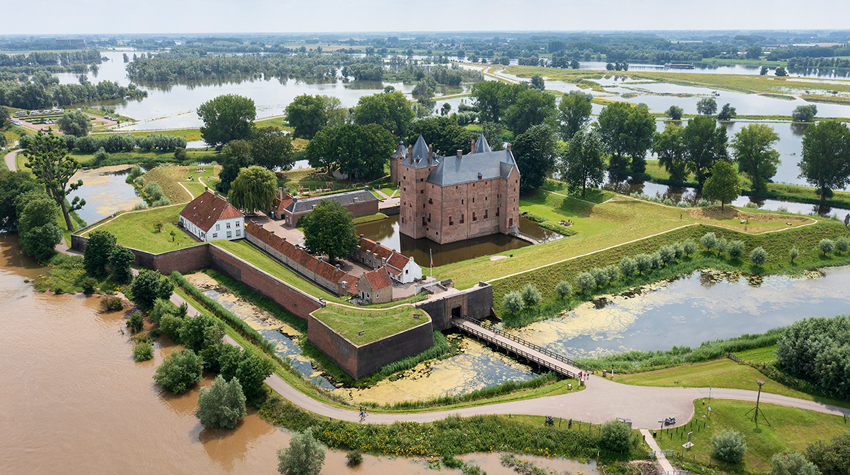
(141, 181)
(842, 244)
(722, 246)
(154, 191)
(172, 326)
(703, 203)
(708, 241)
(98, 249)
(180, 154)
(120, 260)
(161, 202)
(136, 323)
(667, 253)
(599, 276)
(689, 247)
(142, 351)
(160, 308)
(89, 285)
(793, 253)
(758, 256)
(736, 249)
(628, 266)
(818, 350)
(111, 304)
(791, 464)
(826, 246)
(729, 446)
(655, 260)
(612, 272)
(678, 250)
(831, 458)
(563, 289)
(353, 458)
(616, 436)
(222, 405)
(148, 286)
(305, 456)
(179, 372)
(531, 296)
(667, 202)
(512, 302)
(136, 172)
(585, 283)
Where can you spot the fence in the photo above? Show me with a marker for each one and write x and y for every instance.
(734, 358)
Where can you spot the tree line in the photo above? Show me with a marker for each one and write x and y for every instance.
(38, 95)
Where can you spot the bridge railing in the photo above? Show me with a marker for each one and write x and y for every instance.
(531, 345)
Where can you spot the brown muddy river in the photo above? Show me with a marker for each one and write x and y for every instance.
(72, 400)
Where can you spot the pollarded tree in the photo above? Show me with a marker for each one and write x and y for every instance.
(723, 184)
(705, 143)
(329, 230)
(535, 152)
(74, 123)
(564, 289)
(226, 118)
(758, 256)
(574, 112)
(222, 405)
(755, 155)
(582, 164)
(51, 165)
(707, 106)
(99, 248)
(531, 296)
(272, 148)
(305, 456)
(253, 189)
(512, 302)
(826, 157)
(670, 147)
(585, 283)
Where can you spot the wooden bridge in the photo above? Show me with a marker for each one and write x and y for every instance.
(528, 350)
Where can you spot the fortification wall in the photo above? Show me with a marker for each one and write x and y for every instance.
(475, 302)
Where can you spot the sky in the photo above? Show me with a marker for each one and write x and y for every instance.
(337, 16)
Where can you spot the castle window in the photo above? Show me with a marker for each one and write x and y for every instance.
(423, 220)
(404, 189)
(423, 205)
(485, 198)
(497, 211)
(421, 192)
(450, 221)
(430, 201)
(402, 220)
(474, 218)
(485, 214)
(461, 201)
(429, 217)
(461, 219)
(421, 179)
(404, 177)
(473, 199)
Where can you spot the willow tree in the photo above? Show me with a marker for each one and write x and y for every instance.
(51, 165)
(253, 189)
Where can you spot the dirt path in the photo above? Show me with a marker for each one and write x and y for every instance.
(10, 159)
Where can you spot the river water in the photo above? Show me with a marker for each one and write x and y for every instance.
(72, 400)
(105, 191)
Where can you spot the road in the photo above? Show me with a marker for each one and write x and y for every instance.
(10, 159)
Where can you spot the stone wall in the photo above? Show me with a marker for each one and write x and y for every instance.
(188, 259)
(360, 361)
(475, 302)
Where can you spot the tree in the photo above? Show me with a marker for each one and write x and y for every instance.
(513, 303)
(252, 371)
(530, 108)
(793, 253)
(727, 113)
(729, 446)
(330, 230)
(306, 115)
(443, 134)
(612, 129)
(200, 332)
(628, 266)
(222, 405)
(534, 152)
(582, 164)
(723, 184)
(616, 436)
(4, 117)
(574, 112)
(755, 155)
(179, 372)
(37, 227)
(149, 286)
(758, 256)
(804, 113)
(674, 112)
(51, 165)
(120, 261)
(705, 143)
(305, 456)
(780, 72)
(708, 241)
(826, 157)
(390, 110)
(237, 155)
(585, 283)
(530, 295)
(706, 106)
(669, 146)
(74, 123)
(99, 248)
(754, 52)
(537, 82)
(640, 125)
(564, 289)
(12, 185)
(764, 70)
(271, 148)
(827, 246)
(831, 458)
(253, 189)
(493, 98)
(226, 118)
(358, 151)
(791, 464)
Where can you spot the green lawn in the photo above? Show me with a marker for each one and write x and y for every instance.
(195, 188)
(758, 355)
(137, 229)
(594, 195)
(170, 178)
(375, 324)
(790, 430)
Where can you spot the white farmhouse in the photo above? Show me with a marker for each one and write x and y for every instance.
(210, 217)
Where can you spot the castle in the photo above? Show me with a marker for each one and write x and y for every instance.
(457, 197)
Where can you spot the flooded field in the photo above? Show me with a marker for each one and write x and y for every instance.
(105, 191)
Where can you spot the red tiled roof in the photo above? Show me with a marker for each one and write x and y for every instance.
(394, 271)
(383, 252)
(378, 279)
(328, 272)
(398, 260)
(281, 204)
(208, 208)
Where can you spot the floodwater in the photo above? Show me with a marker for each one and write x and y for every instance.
(72, 400)
(105, 191)
(699, 307)
(475, 367)
(387, 233)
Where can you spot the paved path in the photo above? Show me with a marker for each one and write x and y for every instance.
(662, 459)
(10, 159)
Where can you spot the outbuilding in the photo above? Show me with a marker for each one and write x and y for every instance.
(210, 216)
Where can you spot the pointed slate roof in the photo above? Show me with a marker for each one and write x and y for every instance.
(400, 151)
(481, 145)
(473, 167)
(419, 157)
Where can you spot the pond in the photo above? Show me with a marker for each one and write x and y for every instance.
(387, 233)
(105, 191)
(701, 306)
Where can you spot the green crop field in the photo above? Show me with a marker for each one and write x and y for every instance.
(138, 229)
(374, 324)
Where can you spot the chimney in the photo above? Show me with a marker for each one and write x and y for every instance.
(410, 153)
(460, 154)
(430, 149)
(509, 146)
(206, 189)
(473, 147)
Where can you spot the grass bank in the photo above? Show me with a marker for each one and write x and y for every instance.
(363, 326)
(148, 230)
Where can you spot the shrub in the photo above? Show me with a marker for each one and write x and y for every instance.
(643, 262)
(180, 154)
(353, 458)
(667, 253)
(708, 241)
(89, 284)
(729, 446)
(305, 456)
(531, 296)
(160, 308)
(826, 246)
(98, 249)
(758, 256)
(564, 289)
(678, 250)
(816, 349)
(612, 272)
(793, 253)
(616, 436)
(842, 244)
(142, 351)
(179, 372)
(161, 202)
(141, 181)
(689, 247)
(791, 464)
(221, 405)
(599, 276)
(148, 286)
(831, 458)
(172, 326)
(736, 249)
(135, 172)
(111, 304)
(140, 206)
(200, 332)
(512, 302)
(154, 191)
(683, 204)
(655, 260)
(667, 202)
(702, 203)
(136, 323)
(120, 260)
(585, 283)
(628, 266)
(722, 246)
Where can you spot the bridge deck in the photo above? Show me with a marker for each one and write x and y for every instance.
(530, 351)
